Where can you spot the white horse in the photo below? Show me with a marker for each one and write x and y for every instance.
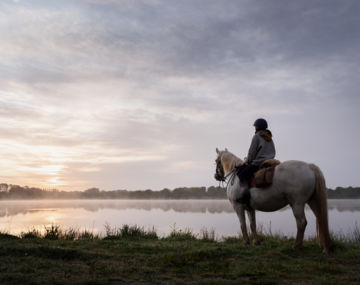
(295, 183)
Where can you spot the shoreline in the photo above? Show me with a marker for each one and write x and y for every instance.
(132, 256)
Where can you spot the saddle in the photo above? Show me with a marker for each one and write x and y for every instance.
(264, 176)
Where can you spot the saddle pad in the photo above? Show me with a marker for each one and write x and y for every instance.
(269, 163)
(264, 177)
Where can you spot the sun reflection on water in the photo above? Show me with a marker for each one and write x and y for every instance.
(51, 219)
(32, 219)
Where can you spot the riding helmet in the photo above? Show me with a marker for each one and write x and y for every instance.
(261, 124)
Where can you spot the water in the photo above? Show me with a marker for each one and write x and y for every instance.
(163, 215)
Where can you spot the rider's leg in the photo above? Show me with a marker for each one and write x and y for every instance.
(247, 174)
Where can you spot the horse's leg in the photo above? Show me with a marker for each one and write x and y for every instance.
(299, 213)
(314, 208)
(239, 209)
(252, 219)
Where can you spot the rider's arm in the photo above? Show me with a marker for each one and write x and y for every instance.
(253, 149)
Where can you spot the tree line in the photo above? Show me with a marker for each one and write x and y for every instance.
(19, 192)
(344, 193)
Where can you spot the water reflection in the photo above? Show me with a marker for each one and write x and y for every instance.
(344, 205)
(19, 216)
(12, 208)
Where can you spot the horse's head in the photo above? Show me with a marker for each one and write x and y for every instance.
(225, 163)
(219, 172)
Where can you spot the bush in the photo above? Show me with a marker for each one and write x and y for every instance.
(31, 234)
(53, 232)
(178, 234)
(129, 232)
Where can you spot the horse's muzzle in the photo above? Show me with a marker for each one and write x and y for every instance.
(219, 177)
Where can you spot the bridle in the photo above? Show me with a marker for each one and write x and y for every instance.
(220, 173)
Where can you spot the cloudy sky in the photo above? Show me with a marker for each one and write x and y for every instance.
(137, 94)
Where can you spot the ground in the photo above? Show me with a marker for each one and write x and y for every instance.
(177, 259)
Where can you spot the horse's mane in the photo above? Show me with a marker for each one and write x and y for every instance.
(231, 160)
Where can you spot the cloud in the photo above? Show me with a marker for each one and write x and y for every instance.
(154, 86)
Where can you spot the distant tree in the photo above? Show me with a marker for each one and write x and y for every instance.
(92, 193)
(16, 191)
(216, 192)
(344, 193)
(4, 187)
(165, 194)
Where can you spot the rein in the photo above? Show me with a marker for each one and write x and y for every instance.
(232, 174)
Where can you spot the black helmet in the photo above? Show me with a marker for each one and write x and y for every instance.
(261, 124)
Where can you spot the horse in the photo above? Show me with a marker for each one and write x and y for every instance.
(295, 183)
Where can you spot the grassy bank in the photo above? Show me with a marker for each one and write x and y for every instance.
(131, 255)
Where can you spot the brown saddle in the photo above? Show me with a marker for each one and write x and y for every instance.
(264, 176)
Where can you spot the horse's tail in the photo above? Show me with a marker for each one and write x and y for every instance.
(318, 204)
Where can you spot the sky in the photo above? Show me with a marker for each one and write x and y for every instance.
(137, 94)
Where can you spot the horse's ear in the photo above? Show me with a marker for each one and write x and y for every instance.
(217, 150)
(226, 149)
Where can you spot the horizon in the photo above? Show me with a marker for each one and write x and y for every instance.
(138, 94)
(140, 190)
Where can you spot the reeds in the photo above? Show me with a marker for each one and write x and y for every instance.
(129, 232)
(353, 235)
(134, 232)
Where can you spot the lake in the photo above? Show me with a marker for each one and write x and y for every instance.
(163, 215)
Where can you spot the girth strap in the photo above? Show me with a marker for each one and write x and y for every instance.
(245, 198)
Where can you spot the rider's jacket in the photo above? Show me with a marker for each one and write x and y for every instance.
(262, 147)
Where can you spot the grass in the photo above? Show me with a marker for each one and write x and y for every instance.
(133, 255)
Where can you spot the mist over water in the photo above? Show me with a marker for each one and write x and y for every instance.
(163, 215)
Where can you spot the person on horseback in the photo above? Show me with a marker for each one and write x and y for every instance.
(262, 148)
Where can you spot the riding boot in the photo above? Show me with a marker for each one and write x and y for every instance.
(244, 184)
(245, 197)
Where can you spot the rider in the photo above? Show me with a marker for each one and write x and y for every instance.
(262, 148)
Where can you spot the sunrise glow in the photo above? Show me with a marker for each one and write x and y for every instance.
(138, 94)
